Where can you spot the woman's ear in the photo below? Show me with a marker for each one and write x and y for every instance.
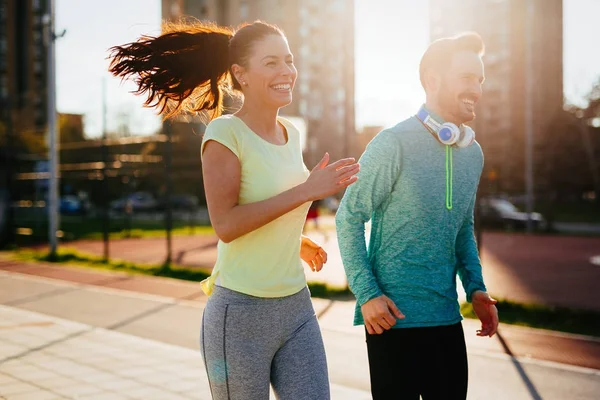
(239, 74)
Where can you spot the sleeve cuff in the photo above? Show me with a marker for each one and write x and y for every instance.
(367, 296)
(473, 290)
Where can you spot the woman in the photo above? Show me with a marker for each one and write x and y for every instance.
(259, 326)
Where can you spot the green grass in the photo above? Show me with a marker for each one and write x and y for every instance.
(76, 228)
(73, 257)
(562, 319)
(76, 258)
(148, 233)
(578, 212)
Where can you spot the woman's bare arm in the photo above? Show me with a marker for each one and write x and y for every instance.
(222, 176)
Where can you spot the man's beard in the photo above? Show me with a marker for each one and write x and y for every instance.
(452, 106)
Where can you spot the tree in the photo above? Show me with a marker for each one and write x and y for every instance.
(28, 142)
(71, 128)
(587, 120)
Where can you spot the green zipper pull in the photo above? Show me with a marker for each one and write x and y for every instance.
(449, 170)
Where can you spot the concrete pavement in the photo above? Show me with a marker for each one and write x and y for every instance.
(139, 339)
(43, 357)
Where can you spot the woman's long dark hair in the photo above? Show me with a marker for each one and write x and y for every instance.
(187, 69)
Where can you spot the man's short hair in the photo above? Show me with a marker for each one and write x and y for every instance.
(440, 52)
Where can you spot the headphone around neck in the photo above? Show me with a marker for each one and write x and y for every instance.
(447, 133)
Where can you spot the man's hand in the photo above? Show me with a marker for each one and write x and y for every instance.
(380, 314)
(485, 308)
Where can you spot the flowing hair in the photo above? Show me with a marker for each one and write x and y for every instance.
(187, 68)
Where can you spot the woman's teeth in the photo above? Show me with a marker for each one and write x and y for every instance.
(286, 86)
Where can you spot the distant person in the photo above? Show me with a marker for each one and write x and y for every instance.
(259, 326)
(312, 220)
(312, 217)
(417, 186)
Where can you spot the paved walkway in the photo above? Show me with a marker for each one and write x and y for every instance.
(50, 358)
(76, 333)
(42, 357)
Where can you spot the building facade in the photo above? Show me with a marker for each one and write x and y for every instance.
(321, 37)
(23, 71)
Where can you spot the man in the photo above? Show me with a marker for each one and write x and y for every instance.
(417, 185)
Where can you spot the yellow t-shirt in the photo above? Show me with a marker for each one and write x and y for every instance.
(265, 262)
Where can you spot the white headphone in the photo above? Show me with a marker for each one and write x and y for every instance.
(447, 133)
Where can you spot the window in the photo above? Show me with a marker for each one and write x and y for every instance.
(304, 88)
(312, 144)
(38, 114)
(303, 107)
(304, 50)
(38, 52)
(315, 111)
(341, 112)
(244, 10)
(304, 30)
(175, 10)
(3, 87)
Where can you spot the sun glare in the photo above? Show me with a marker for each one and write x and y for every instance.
(391, 36)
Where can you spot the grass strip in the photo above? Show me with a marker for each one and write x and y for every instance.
(583, 322)
(73, 257)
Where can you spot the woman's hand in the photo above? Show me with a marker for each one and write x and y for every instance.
(326, 180)
(312, 254)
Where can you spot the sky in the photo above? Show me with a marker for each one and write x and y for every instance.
(387, 87)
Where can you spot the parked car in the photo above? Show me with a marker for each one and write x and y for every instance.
(138, 201)
(180, 202)
(502, 214)
(332, 204)
(73, 205)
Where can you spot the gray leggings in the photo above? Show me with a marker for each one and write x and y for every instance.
(248, 342)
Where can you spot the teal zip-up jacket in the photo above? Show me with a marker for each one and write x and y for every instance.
(421, 213)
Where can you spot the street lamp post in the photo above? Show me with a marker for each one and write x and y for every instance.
(52, 206)
(529, 32)
(168, 127)
(105, 183)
